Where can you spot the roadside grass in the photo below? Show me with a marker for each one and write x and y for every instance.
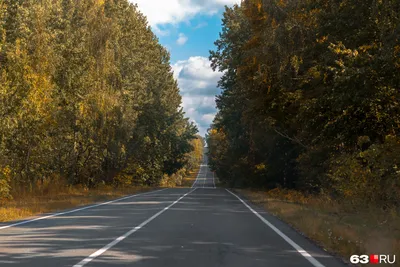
(189, 179)
(56, 195)
(48, 199)
(343, 229)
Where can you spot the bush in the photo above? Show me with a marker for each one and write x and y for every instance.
(5, 178)
(371, 175)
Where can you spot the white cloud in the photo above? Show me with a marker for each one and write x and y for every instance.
(208, 118)
(198, 84)
(196, 79)
(161, 12)
(182, 39)
(160, 32)
(200, 25)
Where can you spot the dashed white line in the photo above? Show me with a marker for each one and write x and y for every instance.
(205, 178)
(76, 210)
(127, 234)
(299, 249)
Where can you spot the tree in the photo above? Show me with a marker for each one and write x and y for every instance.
(87, 92)
(306, 84)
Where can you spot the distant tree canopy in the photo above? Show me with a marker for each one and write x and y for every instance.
(86, 91)
(310, 100)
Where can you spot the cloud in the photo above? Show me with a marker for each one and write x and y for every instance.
(196, 79)
(182, 39)
(160, 32)
(200, 25)
(161, 12)
(198, 85)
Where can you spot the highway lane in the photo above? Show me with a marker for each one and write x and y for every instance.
(178, 227)
(205, 177)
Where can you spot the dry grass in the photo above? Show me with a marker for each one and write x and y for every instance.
(341, 228)
(43, 200)
(55, 195)
(189, 179)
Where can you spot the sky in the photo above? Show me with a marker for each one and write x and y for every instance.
(188, 29)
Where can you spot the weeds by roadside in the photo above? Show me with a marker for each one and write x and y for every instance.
(56, 195)
(341, 228)
(190, 178)
(27, 204)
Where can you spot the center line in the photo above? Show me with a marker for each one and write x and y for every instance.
(119, 239)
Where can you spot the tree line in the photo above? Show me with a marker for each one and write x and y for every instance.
(86, 94)
(310, 97)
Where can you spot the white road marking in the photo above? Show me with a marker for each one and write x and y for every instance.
(198, 174)
(76, 210)
(197, 178)
(205, 178)
(299, 249)
(127, 234)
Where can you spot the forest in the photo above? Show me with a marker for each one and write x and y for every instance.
(87, 96)
(310, 98)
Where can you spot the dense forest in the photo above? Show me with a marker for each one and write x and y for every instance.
(310, 98)
(87, 95)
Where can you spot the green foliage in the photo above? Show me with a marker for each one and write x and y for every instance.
(304, 83)
(371, 175)
(5, 175)
(195, 157)
(87, 93)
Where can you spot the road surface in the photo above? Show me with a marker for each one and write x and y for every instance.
(205, 177)
(202, 226)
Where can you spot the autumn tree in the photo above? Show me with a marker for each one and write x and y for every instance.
(308, 86)
(87, 93)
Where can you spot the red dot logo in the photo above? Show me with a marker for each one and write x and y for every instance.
(374, 259)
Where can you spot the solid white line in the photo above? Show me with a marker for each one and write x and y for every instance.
(299, 249)
(127, 234)
(198, 174)
(76, 210)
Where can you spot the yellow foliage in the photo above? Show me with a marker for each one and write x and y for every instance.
(259, 6)
(213, 131)
(260, 167)
(274, 23)
(322, 39)
(6, 173)
(5, 178)
(282, 3)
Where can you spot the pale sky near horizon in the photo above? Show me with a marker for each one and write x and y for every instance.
(188, 29)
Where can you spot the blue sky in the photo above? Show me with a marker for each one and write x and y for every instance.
(200, 33)
(188, 29)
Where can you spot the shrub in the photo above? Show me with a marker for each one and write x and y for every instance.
(371, 175)
(5, 178)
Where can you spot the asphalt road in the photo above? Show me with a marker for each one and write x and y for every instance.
(205, 177)
(201, 226)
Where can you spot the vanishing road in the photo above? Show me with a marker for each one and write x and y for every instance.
(202, 226)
